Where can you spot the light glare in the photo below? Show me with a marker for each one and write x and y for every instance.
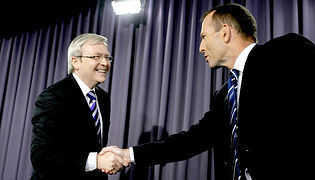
(126, 7)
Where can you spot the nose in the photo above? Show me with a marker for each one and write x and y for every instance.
(105, 63)
(201, 47)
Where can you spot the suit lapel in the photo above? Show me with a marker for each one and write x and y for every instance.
(80, 103)
(252, 82)
(79, 98)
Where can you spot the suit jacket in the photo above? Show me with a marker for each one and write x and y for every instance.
(64, 133)
(275, 117)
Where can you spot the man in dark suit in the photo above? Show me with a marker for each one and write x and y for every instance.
(72, 117)
(259, 123)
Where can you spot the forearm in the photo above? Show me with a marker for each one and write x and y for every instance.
(49, 160)
(180, 146)
(165, 151)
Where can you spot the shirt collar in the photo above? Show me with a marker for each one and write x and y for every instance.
(241, 59)
(84, 88)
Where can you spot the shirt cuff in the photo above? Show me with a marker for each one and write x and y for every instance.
(132, 156)
(91, 162)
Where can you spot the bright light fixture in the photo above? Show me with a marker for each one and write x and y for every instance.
(126, 6)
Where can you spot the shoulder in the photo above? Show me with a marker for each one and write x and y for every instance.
(289, 41)
(283, 49)
(57, 90)
(293, 37)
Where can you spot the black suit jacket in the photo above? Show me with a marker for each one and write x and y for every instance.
(64, 133)
(275, 116)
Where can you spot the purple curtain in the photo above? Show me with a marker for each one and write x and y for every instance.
(159, 83)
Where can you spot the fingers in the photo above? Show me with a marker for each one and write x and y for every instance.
(107, 149)
(122, 161)
(114, 149)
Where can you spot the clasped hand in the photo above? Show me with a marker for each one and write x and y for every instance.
(113, 159)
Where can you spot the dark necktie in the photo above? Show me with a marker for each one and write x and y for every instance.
(232, 95)
(95, 114)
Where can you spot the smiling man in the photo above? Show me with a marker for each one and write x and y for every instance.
(72, 117)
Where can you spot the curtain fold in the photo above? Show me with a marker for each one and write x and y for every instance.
(159, 82)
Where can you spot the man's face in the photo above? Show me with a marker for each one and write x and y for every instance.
(90, 71)
(211, 45)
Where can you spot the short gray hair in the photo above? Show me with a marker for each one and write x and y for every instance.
(74, 49)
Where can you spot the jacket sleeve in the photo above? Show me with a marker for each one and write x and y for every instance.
(186, 144)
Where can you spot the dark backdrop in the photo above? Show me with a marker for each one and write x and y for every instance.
(159, 83)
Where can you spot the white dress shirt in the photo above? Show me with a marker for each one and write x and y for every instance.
(92, 158)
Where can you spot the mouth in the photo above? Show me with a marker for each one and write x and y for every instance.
(101, 70)
(206, 57)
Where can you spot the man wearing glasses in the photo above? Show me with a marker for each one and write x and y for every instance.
(72, 117)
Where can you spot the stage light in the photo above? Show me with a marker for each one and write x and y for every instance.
(126, 6)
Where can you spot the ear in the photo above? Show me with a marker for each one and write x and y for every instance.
(225, 33)
(76, 62)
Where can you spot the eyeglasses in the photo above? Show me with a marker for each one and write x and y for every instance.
(99, 58)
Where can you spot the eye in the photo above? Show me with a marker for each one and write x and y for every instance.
(97, 57)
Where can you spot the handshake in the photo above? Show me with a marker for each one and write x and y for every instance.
(113, 159)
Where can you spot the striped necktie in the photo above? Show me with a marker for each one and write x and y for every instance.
(232, 95)
(95, 114)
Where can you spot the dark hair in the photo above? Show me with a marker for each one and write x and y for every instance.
(236, 16)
